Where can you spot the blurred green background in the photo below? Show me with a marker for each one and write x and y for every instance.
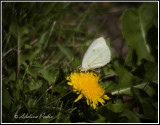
(43, 42)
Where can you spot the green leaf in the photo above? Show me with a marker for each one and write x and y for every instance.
(101, 119)
(30, 54)
(35, 85)
(151, 73)
(32, 72)
(49, 76)
(135, 24)
(148, 108)
(19, 85)
(27, 46)
(13, 29)
(117, 107)
(150, 91)
(131, 116)
(109, 86)
(31, 102)
(6, 98)
(12, 76)
(60, 88)
(76, 62)
(108, 70)
(66, 51)
(131, 58)
(18, 31)
(16, 94)
(22, 35)
(148, 13)
(146, 103)
(125, 77)
(109, 116)
(41, 40)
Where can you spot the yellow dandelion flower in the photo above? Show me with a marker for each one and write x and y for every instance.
(86, 85)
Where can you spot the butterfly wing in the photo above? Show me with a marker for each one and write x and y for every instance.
(97, 55)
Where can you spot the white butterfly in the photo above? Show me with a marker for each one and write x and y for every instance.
(97, 55)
